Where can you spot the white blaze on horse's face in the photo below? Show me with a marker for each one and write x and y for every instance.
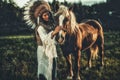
(64, 12)
(61, 18)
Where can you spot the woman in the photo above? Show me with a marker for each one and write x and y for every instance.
(38, 14)
(46, 51)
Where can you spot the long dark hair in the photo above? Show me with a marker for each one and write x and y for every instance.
(48, 25)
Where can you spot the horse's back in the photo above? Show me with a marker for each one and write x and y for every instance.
(91, 30)
(97, 26)
(93, 23)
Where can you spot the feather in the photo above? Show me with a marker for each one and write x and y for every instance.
(30, 9)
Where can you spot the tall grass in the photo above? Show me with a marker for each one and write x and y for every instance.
(18, 59)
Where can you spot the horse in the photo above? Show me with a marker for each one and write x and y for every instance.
(75, 37)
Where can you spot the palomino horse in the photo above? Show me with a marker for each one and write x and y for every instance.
(74, 38)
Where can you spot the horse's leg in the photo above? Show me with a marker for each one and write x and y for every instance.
(92, 54)
(101, 52)
(77, 65)
(69, 65)
(89, 64)
(100, 43)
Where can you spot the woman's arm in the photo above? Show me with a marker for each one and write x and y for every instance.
(57, 29)
(42, 33)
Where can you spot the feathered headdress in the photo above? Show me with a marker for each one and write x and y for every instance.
(32, 11)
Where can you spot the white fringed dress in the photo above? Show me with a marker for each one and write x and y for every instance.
(46, 53)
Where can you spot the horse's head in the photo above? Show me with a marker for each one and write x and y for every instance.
(61, 14)
(61, 17)
(66, 20)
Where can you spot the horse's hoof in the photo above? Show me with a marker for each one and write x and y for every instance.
(101, 68)
(69, 77)
(87, 68)
(78, 78)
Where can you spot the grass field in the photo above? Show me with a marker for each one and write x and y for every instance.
(18, 59)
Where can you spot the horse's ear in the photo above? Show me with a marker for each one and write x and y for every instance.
(71, 8)
(56, 6)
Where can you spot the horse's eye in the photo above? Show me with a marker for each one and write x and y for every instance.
(65, 20)
(64, 30)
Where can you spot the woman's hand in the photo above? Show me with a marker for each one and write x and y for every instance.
(57, 29)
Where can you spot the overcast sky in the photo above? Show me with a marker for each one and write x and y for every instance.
(21, 3)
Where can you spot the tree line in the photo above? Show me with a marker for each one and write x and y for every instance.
(108, 14)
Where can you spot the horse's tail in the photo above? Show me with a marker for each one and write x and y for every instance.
(100, 39)
(98, 26)
(94, 23)
(94, 51)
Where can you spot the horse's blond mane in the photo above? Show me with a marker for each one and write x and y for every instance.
(73, 23)
(62, 10)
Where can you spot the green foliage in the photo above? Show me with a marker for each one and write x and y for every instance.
(18, 59)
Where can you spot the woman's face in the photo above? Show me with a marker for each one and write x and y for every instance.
(45, 16)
